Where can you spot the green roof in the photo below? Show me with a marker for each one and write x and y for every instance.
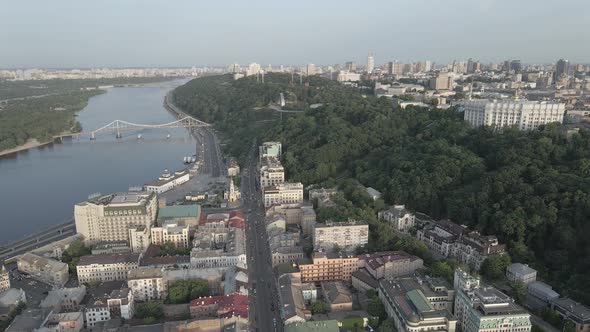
(419, 301)
(179, 211)
(319, 326)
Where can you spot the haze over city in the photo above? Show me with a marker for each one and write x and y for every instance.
(141, 33)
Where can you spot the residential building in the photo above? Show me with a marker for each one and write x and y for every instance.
(270, 149)
(442, 81)
(121, 303)
(44, 269)
(348, 76)
(63, 322)
(171, 232)
(253, 69)
(220, 306)
(411, 310)
(523, 114)
(328, 267)
(310, 69)
(64, 299)
(97, 311)
(345, 235)
(540, 295)
(370, 63)
(218, 248)
(284, 255)
(322, 197)
(109, 218)
(452, 240)
(284, 193)
(337, 296)
(573, 311)
(147, 284)
(363, 281)
(10, 299)
(390, 264)
(480, 308)
(296, 214)
(4, 279)
(293, 308)
(119, 247)
(400, 219)
(521, 272)
(271, 171)
(103, 268)
(139, 239)
(28, 320)
(167, 181)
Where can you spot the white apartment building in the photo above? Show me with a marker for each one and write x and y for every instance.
(480, 309)
(109, 218)
(400, 219)
(106, 267)
(521, 272)
(271, 172)
(147, 284)
(171, 232)
(167, 181)
(284, 193)
(96, 312)
(346, 235)
(524, 114)
(139, 239)
(4, 279)
(121, 303)
(347, 76)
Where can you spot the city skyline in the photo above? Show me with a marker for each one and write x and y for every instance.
(68, 34)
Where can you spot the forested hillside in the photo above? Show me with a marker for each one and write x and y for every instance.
(531, 189)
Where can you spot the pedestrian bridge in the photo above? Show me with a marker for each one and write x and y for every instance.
(118, 126)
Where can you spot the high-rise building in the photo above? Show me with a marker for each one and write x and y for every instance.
(524, 114)
(234, 68)
(562, 68)
(515, 66)
(370, 63)
(390, 68)
(109, 218)
(253, 69)
(442, 81)
(350, 66)
(346, 235)
(310, 69)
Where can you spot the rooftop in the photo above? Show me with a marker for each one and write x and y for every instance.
(318, 326)
(578, 310)
(145, 273)
(56, 296)
(42, 262)
(108, 259)
(521, 269)
(179, 211)
(121, 199)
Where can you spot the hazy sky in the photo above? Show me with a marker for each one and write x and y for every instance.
(80, 33)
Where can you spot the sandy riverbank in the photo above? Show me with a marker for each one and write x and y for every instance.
(32, 143)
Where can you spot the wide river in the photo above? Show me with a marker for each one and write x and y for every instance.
(39, 187)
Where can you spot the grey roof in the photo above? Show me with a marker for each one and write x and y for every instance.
(28, 320)
(540, 287)
(108, 259)
(578, 310)
(521, 269)
(336, 292)
(292, 303)
(56, 296)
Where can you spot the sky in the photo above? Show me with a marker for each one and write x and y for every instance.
(142, 33)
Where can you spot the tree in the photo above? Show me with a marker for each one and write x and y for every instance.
(72, 254)
(320, 307)
(494, 266)
(520, 290)
(377, 309)
(387, 326)
(183, 291)
(150, 309)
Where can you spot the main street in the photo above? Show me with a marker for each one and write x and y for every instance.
(264, 305)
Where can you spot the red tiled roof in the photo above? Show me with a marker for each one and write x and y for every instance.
(234, 304)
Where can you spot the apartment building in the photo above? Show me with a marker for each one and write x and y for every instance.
(322, 196)
(296, 214)
(573, 311)
(171, 232)
(147, 284)
(109, 218)
(103, 268)
(139, 239)
(284, 193)
(235, 304)
(121, 303)
(400, 219)
(271, 172)
(62, 322)
(286, 255)
(451, 240)
(415, 306)
(480, 308)
(218, 248)
(44, 269)
(523, 114)
(390, 264)
(4, 279)
(64, 299)
(328, 267)
(346, 235)
(521, 272)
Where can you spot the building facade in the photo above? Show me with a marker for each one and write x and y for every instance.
(271, 172)
(389, 265)
(147, 284)
(346, 235)
(523, 114)
(101, 268)
(109, 218)
(284, 193)
(4, 279)
(44, 269)
(167, 181)
(171, 232)
(328, 267)
(400, 219)
(521, 272)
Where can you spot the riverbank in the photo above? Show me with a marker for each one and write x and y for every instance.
(31, 143)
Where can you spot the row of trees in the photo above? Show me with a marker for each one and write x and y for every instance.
(183, 291)
(531, 189)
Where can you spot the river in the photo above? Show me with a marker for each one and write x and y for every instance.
(40, 186)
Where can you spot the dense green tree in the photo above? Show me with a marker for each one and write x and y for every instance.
(150, 309)
(72, 254)
(320, 307)
(183, 291)
(377, 309)
(387, 326)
